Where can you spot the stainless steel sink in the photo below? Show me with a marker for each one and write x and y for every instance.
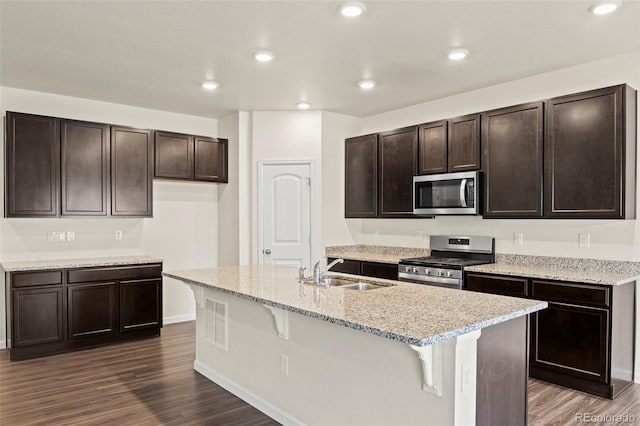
(362, 286)
(332, 281)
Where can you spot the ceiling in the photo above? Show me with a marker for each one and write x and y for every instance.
(156, 54)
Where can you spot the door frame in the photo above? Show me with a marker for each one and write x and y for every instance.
(312, 201)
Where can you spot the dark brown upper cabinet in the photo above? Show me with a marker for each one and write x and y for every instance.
(432, 148)
(188, 157)
(361, 177)
(512, 143)
(32, 179)
(84, 149)
(590, 154)
(131, 172)
(398, 164)
(210, 159)
(173, 156)
(464, 143)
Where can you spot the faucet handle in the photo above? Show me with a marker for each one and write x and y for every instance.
(301, 272)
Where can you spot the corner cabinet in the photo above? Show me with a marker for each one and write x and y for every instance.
(583, 340)
(57, 167)
(590, 154)
(59, 310)
(361, 177)
(512, 143)
(188, 157)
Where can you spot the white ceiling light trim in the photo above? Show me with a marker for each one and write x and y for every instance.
(303, 105)
(352, 9)
(458, 54)
(604, 7)
(210, 85)
(264, 56)
(367, 84)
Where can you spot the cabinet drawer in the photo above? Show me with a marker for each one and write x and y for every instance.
(580, 294)
(506, 286)
(387, 271)
(114, 274)
(347, 267)
(27, 279)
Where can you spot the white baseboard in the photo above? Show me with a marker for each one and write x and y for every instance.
(3, 344)
(178, 318)
(250, 398)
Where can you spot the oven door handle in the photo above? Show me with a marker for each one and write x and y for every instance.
(463, 193)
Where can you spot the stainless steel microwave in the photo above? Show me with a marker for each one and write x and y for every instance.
(447, 194)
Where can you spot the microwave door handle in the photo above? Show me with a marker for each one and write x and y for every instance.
(463, 193)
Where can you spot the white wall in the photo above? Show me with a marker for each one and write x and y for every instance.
(183, 230)
(287, 135)
(609, 239)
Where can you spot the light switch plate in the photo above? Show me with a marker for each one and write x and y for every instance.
(71, 236)
(56, 237)
(118, 235)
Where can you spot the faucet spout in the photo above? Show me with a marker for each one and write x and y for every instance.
(334, 263)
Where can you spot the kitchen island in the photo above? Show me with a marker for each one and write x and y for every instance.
(399, 354)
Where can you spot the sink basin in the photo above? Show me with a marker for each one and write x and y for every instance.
(362, 286)
(331, 281)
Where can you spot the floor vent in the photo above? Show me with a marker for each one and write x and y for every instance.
(216, 330)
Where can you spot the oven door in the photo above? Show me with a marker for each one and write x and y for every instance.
(450, 193)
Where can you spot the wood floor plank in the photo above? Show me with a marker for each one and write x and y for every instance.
(152, 382)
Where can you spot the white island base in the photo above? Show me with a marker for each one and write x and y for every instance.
(303, 370)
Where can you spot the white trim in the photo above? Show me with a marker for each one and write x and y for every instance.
(247, 396)
(178, 318)
(3, 344)
(312, 201)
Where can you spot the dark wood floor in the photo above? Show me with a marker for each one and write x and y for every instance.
(152, 382)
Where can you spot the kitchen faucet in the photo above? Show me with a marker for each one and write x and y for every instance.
(318, 273)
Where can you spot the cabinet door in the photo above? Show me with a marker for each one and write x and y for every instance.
(361, 176)
(464, 143)
(571, 339)
(512, 142)
(37, 316)
(211, 159)
(387, 271)
(584, 168)
(140, 305)
(131, 172)
(398, 151)
(91, 310)
(432, 148)
(506, 286)
(173, 156)
(32, 156)
(84, 168)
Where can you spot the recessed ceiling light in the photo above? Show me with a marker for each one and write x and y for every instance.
(604, 7)
(367, 84)
(458, 54)
(210, 85)
(264, 56)
(352, 9)
(303, 105)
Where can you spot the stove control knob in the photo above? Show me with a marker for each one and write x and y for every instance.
(415, 270)
(427, 271)
(448, 273)
(441, 273)
(407, 269)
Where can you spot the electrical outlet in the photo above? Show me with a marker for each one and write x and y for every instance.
(56, 237)
(468, 374)
(71, 236)
(118, 235)
(284, 365)
(584, 240)
(518, 238)
(419, 235)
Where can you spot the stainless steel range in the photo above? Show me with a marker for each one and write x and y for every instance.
(449, 256)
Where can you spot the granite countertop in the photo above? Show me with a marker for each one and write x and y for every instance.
(381, 254)
(36, 265)
(411, 313)
(589, 271)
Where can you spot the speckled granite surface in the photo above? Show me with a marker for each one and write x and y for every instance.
(411, 313)
(382, 254)
(77, 263)
(591, 271)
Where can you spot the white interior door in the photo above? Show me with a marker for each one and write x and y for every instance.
(285, 222)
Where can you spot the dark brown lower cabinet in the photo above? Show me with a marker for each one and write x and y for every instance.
(584, 339)
(388, 271)
(65, 309)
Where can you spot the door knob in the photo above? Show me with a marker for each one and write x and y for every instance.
(266, 251)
